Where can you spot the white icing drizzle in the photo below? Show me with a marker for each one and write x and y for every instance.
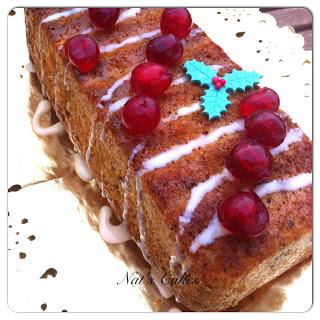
(208, 235)
(141, 244)
(43, 107)
(41, 62)
(115, 86)
(102, 134)
(100, 106)
(82, 169)
(91, 139)
(55, 89)
(142, 247)
(214, 230)
(177, 263)
(109, 232)
(295, 183)
(86, 31)
(105, 194)
(173, 262)
(179, 80)
(198, 193)
(174, 309)
(125, 185)
(183, 111)
(175, 153)
(65, 13)
(30, 67)
(113, 107)
(65, 77)
(43, 89)
(142, 229)
(195, 31)
(164, 290)
(130, 40)
(129, 13)
(293, 136)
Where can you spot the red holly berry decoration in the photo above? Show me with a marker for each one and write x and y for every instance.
(244, 214)
(83, 52)
(250, 161)
(176, 21)
(104, 18)
(263, 99)
(166, 49)
(140, 115)
(266, 127)
(151, 79)
(218, 82)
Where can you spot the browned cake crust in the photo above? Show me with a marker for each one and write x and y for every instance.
(229, 269)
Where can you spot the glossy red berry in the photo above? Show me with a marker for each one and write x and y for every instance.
(104, 18)
(83, 52)
(215, 80)
(266, 127)
(176, 21)
(263, 99)
(166, 49)
(250, 161)
(141, 115)
(218, 85)
(151, 79)
(244, 214)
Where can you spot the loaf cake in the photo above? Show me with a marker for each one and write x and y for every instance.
(167, 186)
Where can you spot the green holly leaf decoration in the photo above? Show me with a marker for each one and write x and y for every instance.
(214, 102)
(215, 99)
(240, 80)
(199, 72)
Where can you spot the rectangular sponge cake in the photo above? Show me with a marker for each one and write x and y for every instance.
(176, 176)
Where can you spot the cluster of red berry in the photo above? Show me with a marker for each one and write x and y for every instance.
(218, 82)
(149, 80)
(244, 213)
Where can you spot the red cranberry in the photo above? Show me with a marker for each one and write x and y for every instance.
(244, 214)
(250, 161)
(104, 18)
(83, 52)
(140, 115)
(176, 21)
(263, 99)
(166, 49)
(266, 127)
(151, 79)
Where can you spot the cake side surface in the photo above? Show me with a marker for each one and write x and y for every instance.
(228, 269)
